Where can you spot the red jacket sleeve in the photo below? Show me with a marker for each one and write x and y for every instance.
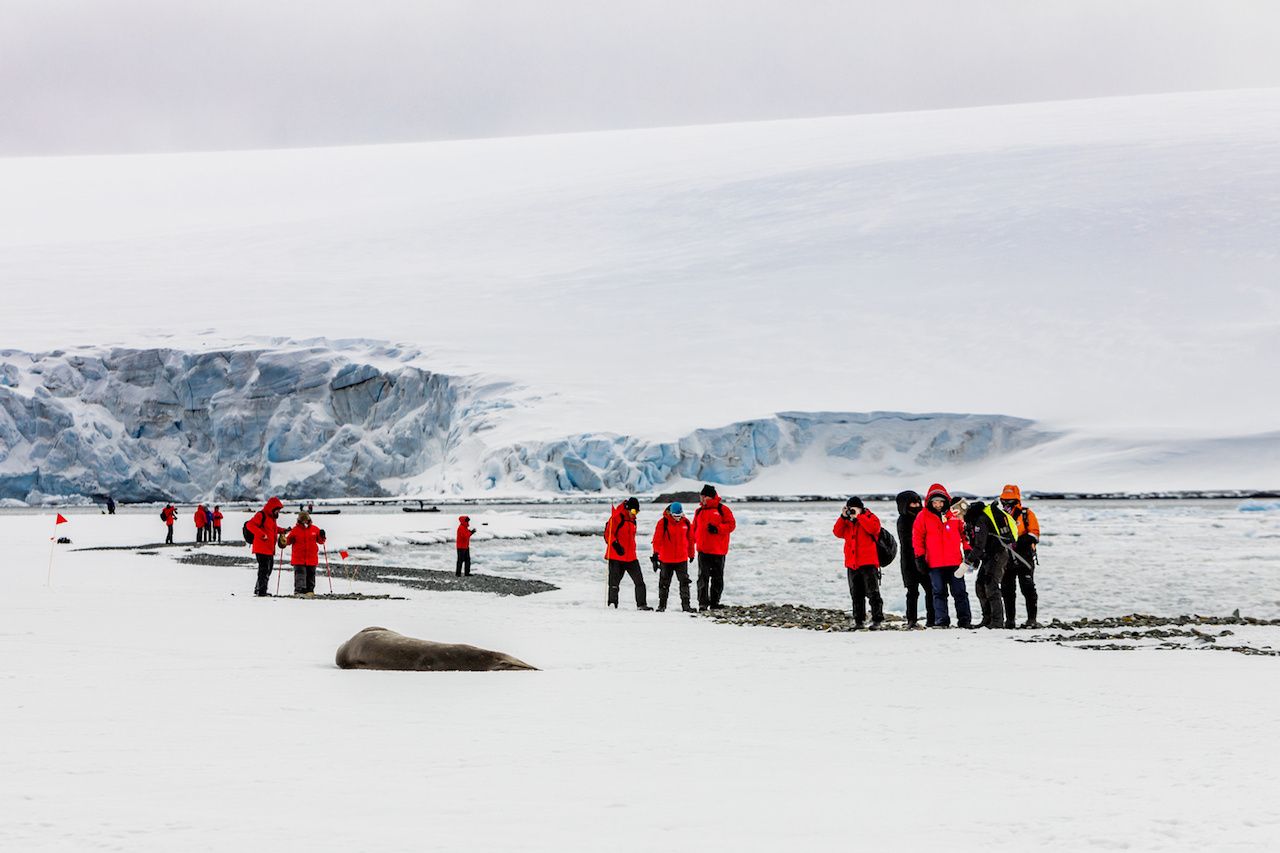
(728, 523)
(842, 529)
(868, 522)
(688, 537)
(917, 536)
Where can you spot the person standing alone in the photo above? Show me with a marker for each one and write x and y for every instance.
(464, 545)
(712, 524)
(169, 515)
(859, 527)
(620, 551)
(673, 549)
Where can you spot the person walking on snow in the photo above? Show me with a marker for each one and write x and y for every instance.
(915, 581)
(712, 524)
(111, 505)
(169, 515)
(937, 537)
(265, 530)
(620, 551)
(991, 532)
(216, 517)
(859, 528)
(464, 545)
(1022, 571)
(200, 518)
(306, 540)
(672, 551)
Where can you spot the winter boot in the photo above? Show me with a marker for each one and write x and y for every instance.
(644, 607)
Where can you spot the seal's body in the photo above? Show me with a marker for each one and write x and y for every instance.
(380, 648)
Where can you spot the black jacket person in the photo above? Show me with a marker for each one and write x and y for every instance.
(909, 506)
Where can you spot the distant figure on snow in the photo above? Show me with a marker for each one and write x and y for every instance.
(859, 528)
(169, 515)
(620, 551)
(216, 518)
(111, 505)
(263, 530)
(909, 506)
(712, 524)
(464, 546)
(937, 537)
(201, 517)
(1021, 567)
(672, 551)
(306, 540)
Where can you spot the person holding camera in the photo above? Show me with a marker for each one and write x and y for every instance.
(859, 528)
(712, 524)
(620, 536)
(464, 546)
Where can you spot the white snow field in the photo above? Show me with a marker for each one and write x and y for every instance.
(151, 705)
(1091, 264)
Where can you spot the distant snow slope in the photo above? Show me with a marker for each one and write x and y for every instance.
(1100, 264)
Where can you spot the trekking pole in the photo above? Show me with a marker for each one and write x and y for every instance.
(279, 569)
(327, 573)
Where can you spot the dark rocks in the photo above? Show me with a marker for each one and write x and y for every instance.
(794, 616)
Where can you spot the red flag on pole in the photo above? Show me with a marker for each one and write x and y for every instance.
(342, 554)
(60, 520)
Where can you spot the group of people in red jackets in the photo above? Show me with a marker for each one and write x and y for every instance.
(676, 542)
(265, 533)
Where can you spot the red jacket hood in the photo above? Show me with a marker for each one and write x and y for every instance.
(935, 490)
(272, 504)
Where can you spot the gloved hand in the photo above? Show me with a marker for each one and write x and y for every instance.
(653, 559)
(617, 548)
(922, 565)
(711, 528)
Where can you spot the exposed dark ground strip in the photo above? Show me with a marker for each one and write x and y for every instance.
(404, 576)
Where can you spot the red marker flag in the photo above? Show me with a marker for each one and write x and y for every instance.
(342, 554)
(60, 520)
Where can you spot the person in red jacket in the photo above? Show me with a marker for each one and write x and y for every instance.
(937, 537)
(620, 551)
(712, 524)
(464, 544)
(200, 518)
(265, 530)
(859, 527)
(169, 515)
(217, 524)
(306, 540)
(672, 551)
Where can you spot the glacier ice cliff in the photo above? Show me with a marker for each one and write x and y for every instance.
(366, 419)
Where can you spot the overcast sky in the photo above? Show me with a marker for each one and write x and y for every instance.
(152, 75)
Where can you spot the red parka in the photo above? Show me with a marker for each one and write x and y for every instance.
(264, 528)
(859, 535)
(938, 538)
(713, 514)
(217, 518)
(464, 532)
(200, 517)
(169, 514)
(673, 539)
(306, 542)
(621, 529)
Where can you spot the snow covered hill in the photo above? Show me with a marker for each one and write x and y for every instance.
(1091, 266)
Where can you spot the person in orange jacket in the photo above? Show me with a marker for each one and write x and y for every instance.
(712, 524)
(306, 540)
(859, 527)
(217, 524)
(200, 518)
(264, 530)
(168, 515)
(672, 551)
(464, 544)
(620, 551)
(1021, 571)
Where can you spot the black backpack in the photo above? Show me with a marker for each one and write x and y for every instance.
(246, 532)
(163, 517)
(886, 547)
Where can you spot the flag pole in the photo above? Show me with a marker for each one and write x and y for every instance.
(53, 543)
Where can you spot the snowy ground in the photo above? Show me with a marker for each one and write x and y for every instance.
(146, 707)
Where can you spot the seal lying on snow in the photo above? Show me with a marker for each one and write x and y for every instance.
(380, 648)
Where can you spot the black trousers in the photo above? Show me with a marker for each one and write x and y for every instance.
(710, 580)
(990, 577)
(168, 538)
(617, 568)
(464, 561)
(199, 534)
(864, 583)
(681, 571)
(1018, 575)
(266, 562)
(304, 579)
(919, 583)
(217, 534)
